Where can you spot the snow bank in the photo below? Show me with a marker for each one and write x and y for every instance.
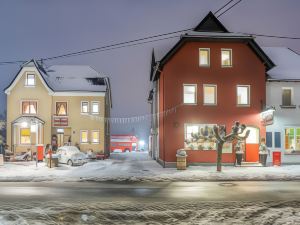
(137, 167)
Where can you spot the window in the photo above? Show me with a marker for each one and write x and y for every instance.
(29, 107)
(190, 94)
(84, 107)
(95, 107)
(243, 95)
(95, 136)
(83, 136)
(292, 140)
(204, 56)
(25, 136)
(209, 94)
(30, 80)
(226, 57)
(277, 139)
(200, 144)
(61, 108)
(287, 96)
(269, 139)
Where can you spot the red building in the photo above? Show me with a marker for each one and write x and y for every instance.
(210, 77)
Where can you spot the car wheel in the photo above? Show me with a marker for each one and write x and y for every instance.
(70, 163)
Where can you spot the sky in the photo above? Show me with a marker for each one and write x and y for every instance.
(39, 29)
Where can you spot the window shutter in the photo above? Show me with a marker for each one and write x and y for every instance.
(269, 139)
(277, 140)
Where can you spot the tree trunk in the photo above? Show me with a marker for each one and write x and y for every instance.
(219, 157)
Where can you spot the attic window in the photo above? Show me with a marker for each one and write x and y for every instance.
(30, 80)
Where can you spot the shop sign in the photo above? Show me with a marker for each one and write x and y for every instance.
(267, 117)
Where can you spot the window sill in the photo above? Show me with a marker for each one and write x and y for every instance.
(288, 106)
(206, 104)
(242, 106)
(227, 66)
(296, 153)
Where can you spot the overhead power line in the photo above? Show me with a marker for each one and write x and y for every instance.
(229, 8)
(223, 6)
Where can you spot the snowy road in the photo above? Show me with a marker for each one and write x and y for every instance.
(150, 203)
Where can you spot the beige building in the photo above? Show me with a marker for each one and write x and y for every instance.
(58, 105)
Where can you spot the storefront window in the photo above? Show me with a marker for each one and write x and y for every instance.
(192, 142)
(292, 140)
(25, 136)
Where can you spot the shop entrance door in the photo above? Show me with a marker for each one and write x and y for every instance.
(252, 145)
(60, 140)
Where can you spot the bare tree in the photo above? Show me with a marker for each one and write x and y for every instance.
(221, 137)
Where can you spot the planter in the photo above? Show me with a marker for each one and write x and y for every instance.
(239, 158)
(181, 159)
(263, 158)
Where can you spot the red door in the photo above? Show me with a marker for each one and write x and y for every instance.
(252, 145)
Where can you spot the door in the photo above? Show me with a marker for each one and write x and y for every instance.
(60, 140)
(252, 145)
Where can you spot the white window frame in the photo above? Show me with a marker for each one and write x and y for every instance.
(208, 60)
(292, 95)
(98, 136)
(216, 94)
(26, 79)
(88, 107)
(195, 85)
(21, 107)
(98, 107)
(249, 95)
(231, 62)
(87, 136)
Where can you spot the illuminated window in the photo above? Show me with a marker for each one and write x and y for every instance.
(292, 140)
(84, 107)
(61, 108)
(83, 136)
(243, 95)
(209, 94)
(95, 107)
(226, 57)
(29, 107)
(25, 136)
(190, 94)
(95, 136)
(201, 144)
(204, 56)
(30, 80)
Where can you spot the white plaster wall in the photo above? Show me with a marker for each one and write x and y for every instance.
(283, 117)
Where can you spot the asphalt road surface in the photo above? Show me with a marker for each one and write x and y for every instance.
(150, 203)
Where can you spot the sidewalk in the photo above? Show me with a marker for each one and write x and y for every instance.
(137, 167)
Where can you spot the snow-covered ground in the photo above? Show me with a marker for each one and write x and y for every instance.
(206, 213)
(134, 167)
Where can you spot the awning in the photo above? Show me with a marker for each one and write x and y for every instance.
(29, 120)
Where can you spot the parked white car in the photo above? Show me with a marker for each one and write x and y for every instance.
(71, 155)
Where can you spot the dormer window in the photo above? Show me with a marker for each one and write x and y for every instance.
(30, 80)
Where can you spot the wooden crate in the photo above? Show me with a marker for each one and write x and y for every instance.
(181, 163)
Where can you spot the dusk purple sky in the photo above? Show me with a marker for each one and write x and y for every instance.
(35, 29)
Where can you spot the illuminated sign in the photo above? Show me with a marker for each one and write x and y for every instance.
(267, 117)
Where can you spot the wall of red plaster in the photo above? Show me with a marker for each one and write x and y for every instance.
(183, 68)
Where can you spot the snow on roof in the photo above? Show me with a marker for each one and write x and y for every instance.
(74, 78)
(287, 63)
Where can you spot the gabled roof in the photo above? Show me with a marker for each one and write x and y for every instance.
(210, 23)
(211, 29)
(59, 78)
(287, 64)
